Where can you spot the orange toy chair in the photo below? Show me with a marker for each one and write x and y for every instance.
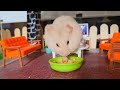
(107, 45)
(114, 54)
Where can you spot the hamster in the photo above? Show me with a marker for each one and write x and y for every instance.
(63, 36)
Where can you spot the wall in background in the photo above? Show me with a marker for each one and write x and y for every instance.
(13, 16)
(91, 21)
(47, 15)
(13, 19)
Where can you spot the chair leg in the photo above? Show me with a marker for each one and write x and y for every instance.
(40, 50)
(3, 62)
(110, 65)
(20, 60)
(4, 59)
(100, 50)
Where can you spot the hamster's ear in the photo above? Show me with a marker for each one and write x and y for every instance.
(70, 28)
(49, 28)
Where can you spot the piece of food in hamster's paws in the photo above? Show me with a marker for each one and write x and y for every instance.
(64, 61)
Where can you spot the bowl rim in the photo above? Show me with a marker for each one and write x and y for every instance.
(67, 63)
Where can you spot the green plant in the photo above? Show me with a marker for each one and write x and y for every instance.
(0, 56)
(46, 47)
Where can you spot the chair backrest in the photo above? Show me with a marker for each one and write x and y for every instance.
(116, 37)
(16, 41)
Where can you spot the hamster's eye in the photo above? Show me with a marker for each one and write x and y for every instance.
(57, 45)
(67, 42)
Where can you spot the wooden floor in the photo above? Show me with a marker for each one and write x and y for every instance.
(95, 66)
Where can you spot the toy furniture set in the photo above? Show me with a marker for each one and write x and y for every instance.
(64, 38)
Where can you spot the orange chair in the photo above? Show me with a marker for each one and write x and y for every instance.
(114, 54)
(107, 45)
(18, 47)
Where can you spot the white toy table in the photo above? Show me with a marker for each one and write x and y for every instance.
(79, 52)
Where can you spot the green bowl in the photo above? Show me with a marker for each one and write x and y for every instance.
(65, 67)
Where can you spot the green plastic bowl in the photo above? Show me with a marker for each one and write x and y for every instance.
(65, 67)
